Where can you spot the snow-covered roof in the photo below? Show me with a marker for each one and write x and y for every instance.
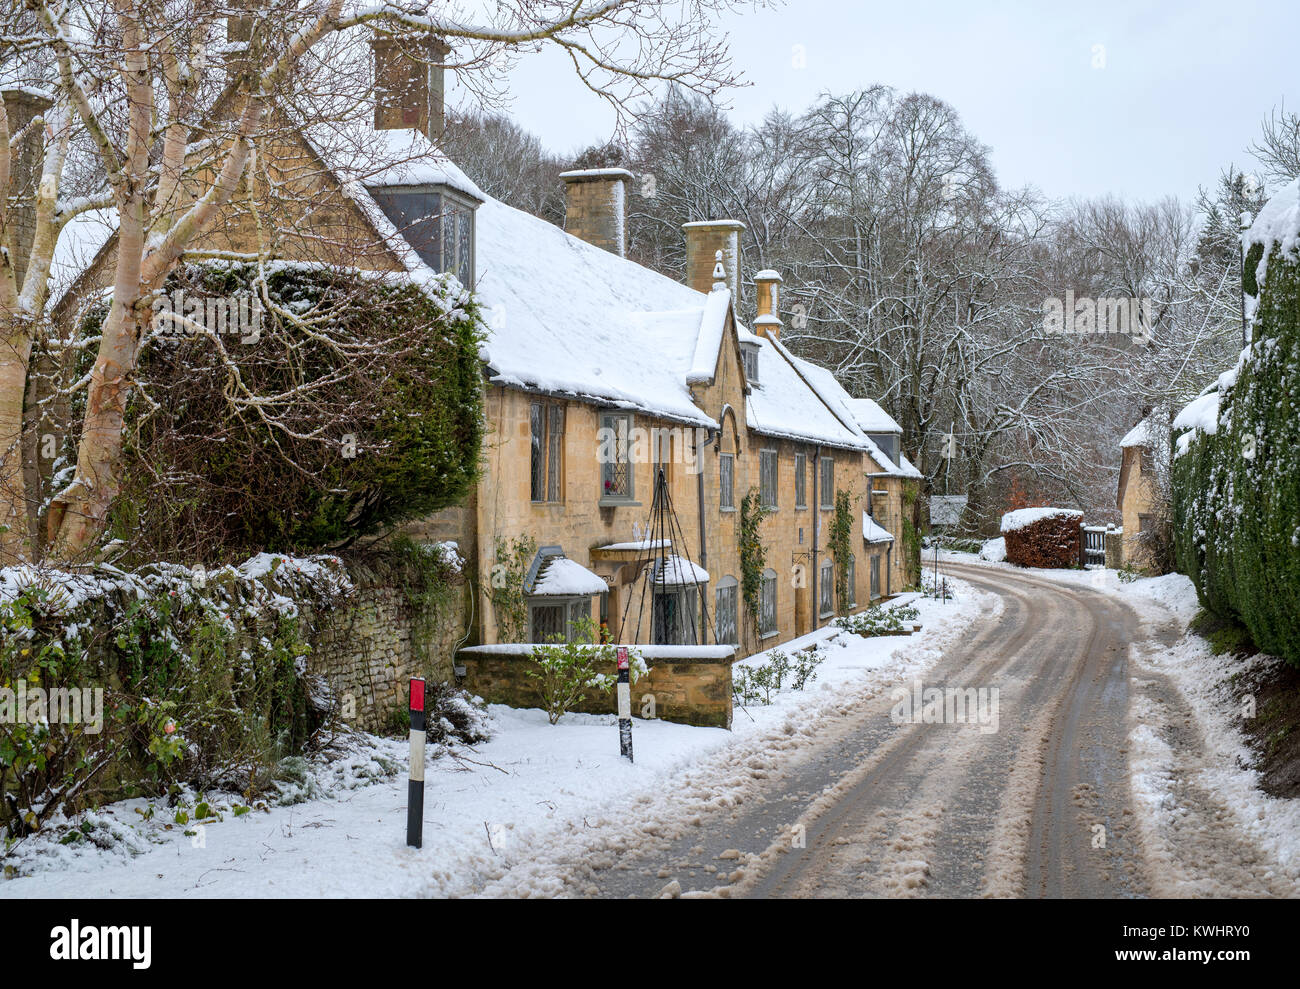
(561, 577)
(871, 418)
(946, 509)
(793, 400)
(1022, 517)
(872, 532)
(677, 571)
(80, 240)
(1143, 434)
(905, 467)
(383, 158)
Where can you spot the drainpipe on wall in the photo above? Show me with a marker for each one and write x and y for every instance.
(814, 605)
(704, 552)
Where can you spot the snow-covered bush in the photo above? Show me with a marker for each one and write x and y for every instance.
(879, 620)
(181, 676)
(1236, 469)
(995, 550)
(566, 672)
(1042, 537)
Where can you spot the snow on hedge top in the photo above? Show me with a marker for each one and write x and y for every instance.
(563, 577)
(1278, 223)
(1200, 415)
(1022, 517)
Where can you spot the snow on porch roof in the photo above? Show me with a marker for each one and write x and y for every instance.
(562, 577)
(874, 533)
(675, 571)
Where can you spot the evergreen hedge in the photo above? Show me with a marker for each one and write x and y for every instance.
(1237, 489)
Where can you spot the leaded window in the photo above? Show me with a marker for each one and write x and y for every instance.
(726, 480)
(767, 603)
(616, 466)
(546, 475)
(726, 630)
(827, 484)
(801, 480)
(767, 478)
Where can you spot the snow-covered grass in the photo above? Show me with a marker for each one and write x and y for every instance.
(499, 814)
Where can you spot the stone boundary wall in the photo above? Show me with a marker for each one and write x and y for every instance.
(365, 648)
(691, 684)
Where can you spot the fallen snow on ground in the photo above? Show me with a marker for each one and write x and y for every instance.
(498, 817)
(1214, 764)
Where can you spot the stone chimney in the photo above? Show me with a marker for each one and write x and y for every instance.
(22, 105)
(767, 286)
(594, 201)
(703, 242)
(409, 83)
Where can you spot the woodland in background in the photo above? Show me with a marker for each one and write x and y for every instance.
(920, 281)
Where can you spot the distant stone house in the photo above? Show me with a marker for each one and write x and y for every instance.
(600, 374)
(1137, 497)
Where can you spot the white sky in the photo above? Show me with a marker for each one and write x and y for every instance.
(1184, 87)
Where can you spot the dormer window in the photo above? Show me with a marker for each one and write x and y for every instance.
(749, 354)
(437, 222)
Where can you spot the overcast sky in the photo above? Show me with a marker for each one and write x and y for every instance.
(1181, 94)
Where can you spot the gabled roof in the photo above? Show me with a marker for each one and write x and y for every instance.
(788, 403)
(871, 418)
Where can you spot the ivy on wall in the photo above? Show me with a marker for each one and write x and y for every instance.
(505, 587)
(840, 543)
(753, 555)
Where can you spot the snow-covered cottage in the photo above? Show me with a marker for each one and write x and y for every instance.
(600, 373)
(1144, 453)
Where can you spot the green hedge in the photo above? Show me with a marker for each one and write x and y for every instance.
(1236, 516)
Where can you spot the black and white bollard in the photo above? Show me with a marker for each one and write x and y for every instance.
(624, 706)
(415, 787)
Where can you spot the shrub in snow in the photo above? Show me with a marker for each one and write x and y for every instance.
(176, 679)
(1042, 537)
(1236, 472)
(879, 620)
(754, 683)
(566, 672)
(995, 550)
(376, 417)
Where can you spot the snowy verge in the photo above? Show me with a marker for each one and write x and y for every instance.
(499, 817)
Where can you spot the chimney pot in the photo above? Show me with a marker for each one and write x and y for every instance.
(767, 286)
(711, 243)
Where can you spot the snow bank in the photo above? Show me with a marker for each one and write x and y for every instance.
(995, 550)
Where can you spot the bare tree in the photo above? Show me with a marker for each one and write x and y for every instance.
(176, 117)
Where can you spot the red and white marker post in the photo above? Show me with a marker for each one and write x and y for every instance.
(415, 786)
(624, 706)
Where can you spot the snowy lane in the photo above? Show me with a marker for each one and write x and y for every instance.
(917, 809)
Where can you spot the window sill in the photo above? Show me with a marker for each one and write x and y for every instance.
(617, 503)
(768, 635)
(801, 508)
(723, 508)
(547, 504)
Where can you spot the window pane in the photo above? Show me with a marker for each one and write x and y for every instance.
(827, 493)
(554, 454)
(538, 425)
(825, 593)
(800, 480)
(725, 619)
(767, 605)
(548, 623)
(616, 475)
(726, 495)
(767, 471)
